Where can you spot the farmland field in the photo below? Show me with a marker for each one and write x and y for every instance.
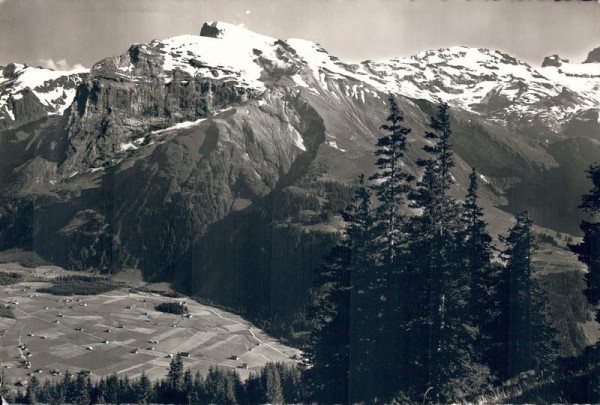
(120, 332)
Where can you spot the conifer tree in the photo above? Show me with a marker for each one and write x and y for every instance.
(197, 395)
(220, 387)
(328, 351)
(126, 393)
(33, 390)
(290, 382)
(239, 387)
(478, 252)
(478, 242)
(112, 389)
(391, 184)
(188, 382)
(67, 387)
(328, 354)
(531, 343)
(143, 390)
(437, 333)
(175, 375)
(519, 250)
(588, 250)
(45, 393)
(271, 381)
(81, 389)
(431, 247)
(254, 389)
(368, 370)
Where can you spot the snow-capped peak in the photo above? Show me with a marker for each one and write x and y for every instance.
(53, 89)
(221, 52)
(473, 79)
(482, 81)
(492, 82)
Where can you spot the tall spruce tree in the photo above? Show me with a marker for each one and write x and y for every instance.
(520, 244)
(254, 389)
(367, 369)
(175, 374)
(327, 356)
(271, 381)
(440, 340)
(531, 343)
(143, 390)
(81, 389)
(112, 389)
(328, 352)
(219, 387)
(477, 245)
(484, 278)
(68, 388)
(496, 353)
(290, 382)
(588, 250)
(391, 184)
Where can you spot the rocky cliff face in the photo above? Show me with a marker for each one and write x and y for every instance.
(152, 87)
(129, 96)
(158, 200)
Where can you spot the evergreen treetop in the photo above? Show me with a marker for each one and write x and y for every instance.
(390, 182)
(590, 202)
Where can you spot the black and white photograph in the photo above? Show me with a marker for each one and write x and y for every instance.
(299, 202)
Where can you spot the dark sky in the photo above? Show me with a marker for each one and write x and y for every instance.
(69, 32)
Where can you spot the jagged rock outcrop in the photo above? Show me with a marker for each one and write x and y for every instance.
(209, 30)
(593, 56)
(554, 60)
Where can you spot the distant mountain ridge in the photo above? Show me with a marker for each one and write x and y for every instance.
(165, 157)
(28, 93)
(478, 80)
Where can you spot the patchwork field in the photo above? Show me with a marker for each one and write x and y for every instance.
(120, 331)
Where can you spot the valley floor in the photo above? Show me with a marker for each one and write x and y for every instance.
(70, 333)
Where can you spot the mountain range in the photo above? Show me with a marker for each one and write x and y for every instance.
(219, 161)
